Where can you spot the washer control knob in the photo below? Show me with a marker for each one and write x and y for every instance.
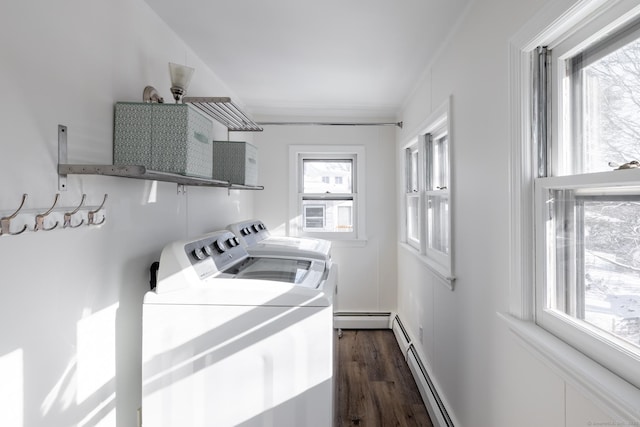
(219, 246)
(207, 250)
(198, 254)
(245, 231)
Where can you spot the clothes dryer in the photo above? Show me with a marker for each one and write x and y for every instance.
(256, 238)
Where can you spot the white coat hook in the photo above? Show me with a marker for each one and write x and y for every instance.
(5, 222)
(41, 217)
(91, 214)
(68, 215)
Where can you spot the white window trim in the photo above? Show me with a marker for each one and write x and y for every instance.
(294, 225)
(607, 390)
(441, 265)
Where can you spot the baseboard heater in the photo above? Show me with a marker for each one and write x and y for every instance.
(361, 320)
(436, 408)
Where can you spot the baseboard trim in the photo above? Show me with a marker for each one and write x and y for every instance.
(361, 320)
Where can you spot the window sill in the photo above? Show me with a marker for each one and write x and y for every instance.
(446, 278)
(615, 395)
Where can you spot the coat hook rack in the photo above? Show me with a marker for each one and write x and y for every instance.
(41, 217)
(5, 222)
(68, 215)
(21, 218)
(91, 214)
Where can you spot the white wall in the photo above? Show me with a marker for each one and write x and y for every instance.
(367, 274)
(71, 306)
(484, 375)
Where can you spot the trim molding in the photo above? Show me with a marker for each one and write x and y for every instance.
(611, 393)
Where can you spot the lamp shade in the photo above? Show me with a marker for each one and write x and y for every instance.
(180, 79)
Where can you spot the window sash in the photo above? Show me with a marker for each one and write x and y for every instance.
(560, 286)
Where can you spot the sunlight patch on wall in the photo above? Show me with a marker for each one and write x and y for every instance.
(12, 389)
(96, 351)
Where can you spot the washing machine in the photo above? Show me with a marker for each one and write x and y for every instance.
(257, 239)
(231, 339)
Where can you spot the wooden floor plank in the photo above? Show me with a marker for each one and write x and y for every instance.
(374, 385)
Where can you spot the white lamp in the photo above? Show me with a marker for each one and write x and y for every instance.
(180, 79)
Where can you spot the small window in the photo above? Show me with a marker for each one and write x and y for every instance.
(427, 193)
(326, 195)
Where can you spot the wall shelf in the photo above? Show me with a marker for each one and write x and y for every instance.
(141, 172)
(131, 171)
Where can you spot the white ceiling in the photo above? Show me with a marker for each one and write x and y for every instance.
(329, 55)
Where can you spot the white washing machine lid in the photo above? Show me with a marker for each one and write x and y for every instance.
(292, 246)
(256, 239)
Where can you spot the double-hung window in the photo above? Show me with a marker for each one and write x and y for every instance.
(427, 193)
(587, 193)
(327, 192)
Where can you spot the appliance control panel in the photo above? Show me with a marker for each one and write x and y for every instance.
(252, 232)
(214, 253)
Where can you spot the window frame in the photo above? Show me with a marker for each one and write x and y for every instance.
(557, 21)
(565, 173)
(297, 155)
(437, 124)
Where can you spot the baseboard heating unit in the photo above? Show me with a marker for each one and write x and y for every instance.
(435, 406)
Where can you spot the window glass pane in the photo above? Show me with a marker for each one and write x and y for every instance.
(438, 163)
(608, 116)
(327, 176)
(328, 215)
(413, 172)
(412, 218)
(597, 262)
(612, 267)
(438, 224)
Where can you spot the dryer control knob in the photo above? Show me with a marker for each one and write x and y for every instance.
(207, 250)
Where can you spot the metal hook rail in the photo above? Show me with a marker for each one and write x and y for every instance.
(17, 221)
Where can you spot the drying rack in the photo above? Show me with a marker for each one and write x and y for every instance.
(225, 111)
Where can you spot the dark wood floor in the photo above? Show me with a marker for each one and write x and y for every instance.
(375, 386)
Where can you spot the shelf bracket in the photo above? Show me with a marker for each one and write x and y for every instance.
(62, 156)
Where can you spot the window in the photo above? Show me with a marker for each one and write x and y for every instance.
(427, 193)
(437, 193)
(327, 196)
(413, 197)
(587, 193)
